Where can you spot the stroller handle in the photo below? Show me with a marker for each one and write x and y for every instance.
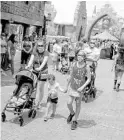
(93, 61)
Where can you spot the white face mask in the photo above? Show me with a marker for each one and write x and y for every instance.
(40, 49)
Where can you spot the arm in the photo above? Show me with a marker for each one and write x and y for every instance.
(45, 60)
(87, 81)
(60, 89)
(69, 78)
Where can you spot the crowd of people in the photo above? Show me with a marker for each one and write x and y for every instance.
(35, 53)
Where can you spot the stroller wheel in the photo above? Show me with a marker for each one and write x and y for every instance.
(21, 121)
(34, 114)
(30, 113)
(3, 117)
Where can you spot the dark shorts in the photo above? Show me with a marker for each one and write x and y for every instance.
(71, 58)
(55, 100)
(25, 57)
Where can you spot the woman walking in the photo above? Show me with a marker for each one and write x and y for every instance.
(39, 60)
(78, 80)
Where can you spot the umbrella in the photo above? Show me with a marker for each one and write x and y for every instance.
(105, 36)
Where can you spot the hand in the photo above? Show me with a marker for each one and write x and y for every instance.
(65, 91)
(27, 67)
(37, 69)
(80, 89)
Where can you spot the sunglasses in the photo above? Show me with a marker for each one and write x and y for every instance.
(40, 45)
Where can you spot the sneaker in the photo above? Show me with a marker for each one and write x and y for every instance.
(52, 116)
(46, 119)
(74, 125)
(69, 119)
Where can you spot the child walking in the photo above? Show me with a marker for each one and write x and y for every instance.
(52, 100)
(79, 78)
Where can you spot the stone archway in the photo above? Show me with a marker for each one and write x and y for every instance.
(89, 28)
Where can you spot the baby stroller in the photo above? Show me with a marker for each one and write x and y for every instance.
(64, 64)
(23, 96)
(90, 90)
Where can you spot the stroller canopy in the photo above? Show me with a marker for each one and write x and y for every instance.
(26, 73)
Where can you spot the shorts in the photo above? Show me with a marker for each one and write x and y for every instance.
(71, 58)
(55, 100)
(25, 57)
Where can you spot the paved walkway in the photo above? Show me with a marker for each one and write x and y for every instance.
(101, 119)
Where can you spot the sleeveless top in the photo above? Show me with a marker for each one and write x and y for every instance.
(78, 78)
(38, 59)
(119, 63)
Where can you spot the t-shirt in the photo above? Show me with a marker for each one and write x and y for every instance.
(93, 54)
(3, 46)
(53, 90)
(12, 48)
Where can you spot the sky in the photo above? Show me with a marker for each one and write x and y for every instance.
(66, 9)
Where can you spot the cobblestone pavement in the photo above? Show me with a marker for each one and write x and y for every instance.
(101, 119)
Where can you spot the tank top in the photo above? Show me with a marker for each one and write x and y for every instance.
(78, 77)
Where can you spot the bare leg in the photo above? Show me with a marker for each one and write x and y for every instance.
(120, 74)
(54, 109)
(69, 104)
(49, 105)
(40, 92)
(78, 108)
(57, 65)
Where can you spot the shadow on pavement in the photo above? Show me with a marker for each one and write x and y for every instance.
(58, 116)
(26, 119)
(86, 123)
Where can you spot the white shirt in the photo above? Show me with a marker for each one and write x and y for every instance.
(93, 54)
(54, 89)
(56, 48)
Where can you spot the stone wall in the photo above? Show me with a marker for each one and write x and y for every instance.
(23, 11)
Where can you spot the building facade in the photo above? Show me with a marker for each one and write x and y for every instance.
(22, 17)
